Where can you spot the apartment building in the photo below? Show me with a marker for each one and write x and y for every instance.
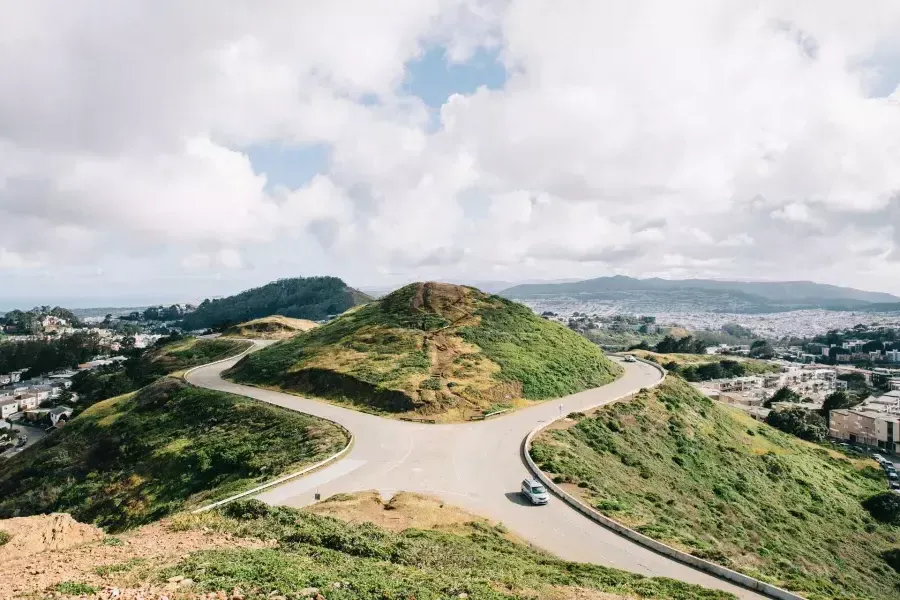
(867, 427)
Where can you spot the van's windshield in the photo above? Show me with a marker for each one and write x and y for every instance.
(538, 489)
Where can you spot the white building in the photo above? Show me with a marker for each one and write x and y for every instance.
(8, 407)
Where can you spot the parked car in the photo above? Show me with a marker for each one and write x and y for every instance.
(895, 484)
(535, 492)
(23, 439)
(880, 459)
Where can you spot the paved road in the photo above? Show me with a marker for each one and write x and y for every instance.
(477, 466)
(34, 434)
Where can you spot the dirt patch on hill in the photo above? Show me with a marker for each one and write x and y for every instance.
(275, 327)
(74, 552)
(404, 511)
(31, 535)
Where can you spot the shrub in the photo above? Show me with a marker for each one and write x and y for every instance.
(884, 507)
(892, 558)
(74, 588)
(4, 537)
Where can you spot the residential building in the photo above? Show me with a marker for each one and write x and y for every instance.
(28, 401)
(892, 356)
(5, 380)
(894, 383)
(866, 427)
(60, 413)
(8, 407)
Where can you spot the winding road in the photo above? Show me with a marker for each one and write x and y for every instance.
(477, 466)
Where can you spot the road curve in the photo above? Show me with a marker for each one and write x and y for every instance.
(477, 466)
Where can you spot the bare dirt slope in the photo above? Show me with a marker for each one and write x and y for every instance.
(274, 327)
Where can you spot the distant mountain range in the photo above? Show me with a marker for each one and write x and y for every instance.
(654, 295)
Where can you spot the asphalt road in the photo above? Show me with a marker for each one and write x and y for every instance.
(34, 434)
(477, 466)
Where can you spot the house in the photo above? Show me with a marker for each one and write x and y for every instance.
(866, 427)
(8, 407)
(16, 376)
(60, 413)
(5, 379)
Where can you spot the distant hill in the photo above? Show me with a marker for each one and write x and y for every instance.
(275, 327)
(313, 298)
(433, 349)
(707, 294)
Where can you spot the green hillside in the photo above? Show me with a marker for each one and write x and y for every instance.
(135, 458)
(712, 481)
(432, 349)
(313, 298)
(474, 560)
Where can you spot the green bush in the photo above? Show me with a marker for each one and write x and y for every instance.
(74, 588)
(892, 558)
(884, 507)
(4, 537)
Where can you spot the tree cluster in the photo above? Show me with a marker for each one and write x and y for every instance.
(29, 322)
(796, 420)
(45, 356)
(708, 371)
(685, 345)
(313, 298)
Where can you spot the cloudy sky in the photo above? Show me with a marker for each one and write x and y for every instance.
(165, 150)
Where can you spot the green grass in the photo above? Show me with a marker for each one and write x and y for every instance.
(136, 458)
(193, 352)
(434, 349)
(371, 563)
(74, 588)
(4, 537)
(708, 479)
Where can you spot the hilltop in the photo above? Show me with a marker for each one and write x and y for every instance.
(274, 327)
(706, 294)
(710, 480)
(410, 547)
(138, 457)
(314, 298)
(432, 349)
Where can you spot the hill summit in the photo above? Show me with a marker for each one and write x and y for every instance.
(434, 349)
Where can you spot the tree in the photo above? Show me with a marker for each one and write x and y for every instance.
(761, 349)
(784, 394)
(796, 420)
(836, 401)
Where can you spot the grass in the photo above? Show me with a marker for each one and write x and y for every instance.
(74, 588)
(436, 350)
(712, 481)
(274, 327)
(193, 352)
(363, 561)
(136, 458)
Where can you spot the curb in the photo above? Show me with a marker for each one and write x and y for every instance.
(666, 550)
(282, 479)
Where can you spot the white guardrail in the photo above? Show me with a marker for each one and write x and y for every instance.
(682, 557)
(283, 478)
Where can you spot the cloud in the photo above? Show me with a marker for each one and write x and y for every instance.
(708, 138)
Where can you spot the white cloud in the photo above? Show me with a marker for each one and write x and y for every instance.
(698, 138)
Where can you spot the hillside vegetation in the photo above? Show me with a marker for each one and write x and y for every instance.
(258, 549)
(169, 355)
(704, 367)
(712, 481)
(274, 327)
(313, 298)
(432, 349)
(135, 458)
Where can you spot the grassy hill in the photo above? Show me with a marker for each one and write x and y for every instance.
(425, 550)
(703, 367)
(433, 349)
(274, 327)
(710, 480)
(312, 298)
(135, 458)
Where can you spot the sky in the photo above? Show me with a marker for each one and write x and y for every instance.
(160, 151)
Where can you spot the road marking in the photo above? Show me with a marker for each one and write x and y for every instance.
(285, 492)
